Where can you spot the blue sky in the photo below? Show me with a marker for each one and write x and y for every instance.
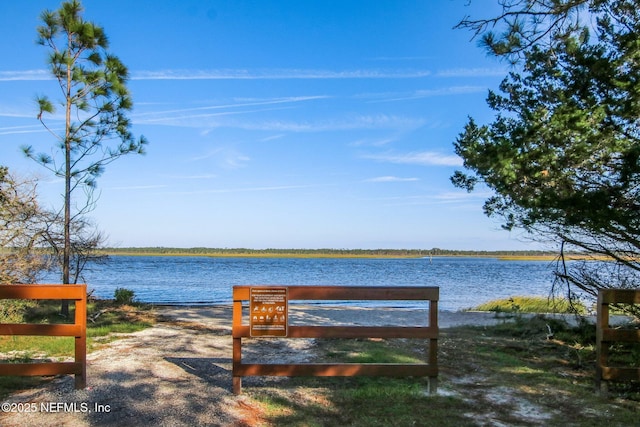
(276, 124)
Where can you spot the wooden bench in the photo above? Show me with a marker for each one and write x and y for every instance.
(78, 329)
(240, 330)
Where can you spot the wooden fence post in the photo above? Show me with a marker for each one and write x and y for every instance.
(606, 335)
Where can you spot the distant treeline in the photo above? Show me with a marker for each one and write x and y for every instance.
(321, 252)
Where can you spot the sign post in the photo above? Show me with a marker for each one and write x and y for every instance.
(268, 311)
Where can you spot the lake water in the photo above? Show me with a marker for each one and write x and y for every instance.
(463, 282)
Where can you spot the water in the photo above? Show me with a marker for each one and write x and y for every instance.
(463, 282)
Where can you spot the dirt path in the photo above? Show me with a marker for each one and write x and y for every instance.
(165, 375)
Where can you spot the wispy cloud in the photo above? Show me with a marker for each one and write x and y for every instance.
(139, 187)
(252, 189)
(238, 74)
(377, 142)
(25, 75)
(280, 74)
(453, 90)
(277, 74)
(391, 179)
(28, 110)
(242, 103)
(364, 121)
(17, 112)
(461, 196)
(473, 72)
(200, 120)
(230, 119)
(13, 130)
(424, 158)
(210, 116)
(227, 158)
(272, 137)
(193, 177)
(399, 58)
(423, 93)
(246, 189)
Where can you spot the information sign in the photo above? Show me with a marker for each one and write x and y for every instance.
(269, 312)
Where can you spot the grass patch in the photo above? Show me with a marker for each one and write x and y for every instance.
(357, 402)
(528, 304)
(365, 351)
(46, 347)
(508, 374)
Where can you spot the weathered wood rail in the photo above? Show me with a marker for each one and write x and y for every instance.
(350, 293)
(78, 329)
(606, 336)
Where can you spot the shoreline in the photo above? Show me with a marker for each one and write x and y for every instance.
(220, 316)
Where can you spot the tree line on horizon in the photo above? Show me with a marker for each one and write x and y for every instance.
(325, 251)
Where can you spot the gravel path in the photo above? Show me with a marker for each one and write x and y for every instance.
(167, 375)
(178, 372)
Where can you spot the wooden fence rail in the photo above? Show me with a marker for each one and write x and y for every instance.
(78, 329)
(349, 293)
(605, 336)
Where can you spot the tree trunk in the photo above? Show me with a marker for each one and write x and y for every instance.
(66, 253)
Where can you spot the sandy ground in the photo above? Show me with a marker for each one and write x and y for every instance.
(220, 316)
(178, 373)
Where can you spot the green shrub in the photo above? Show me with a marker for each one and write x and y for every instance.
(532, 305)
(123, 296)
(15, 310)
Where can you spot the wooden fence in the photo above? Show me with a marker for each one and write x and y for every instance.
(350, 293)
(606, 336)
(78, 329)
